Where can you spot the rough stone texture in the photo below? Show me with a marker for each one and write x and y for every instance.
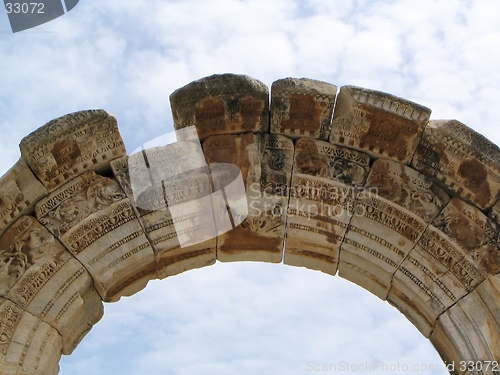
(28, 346)
(42, 277)
(378, 123)
(93, 218)
(222, 104)
(69, 145)
(407, 188)
(461, 161)
(302, 107)
(266, 164)
(408, 213)
(321, 202)
(19, 191)
(171, 195)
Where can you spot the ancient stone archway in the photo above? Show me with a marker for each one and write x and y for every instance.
(404, 206)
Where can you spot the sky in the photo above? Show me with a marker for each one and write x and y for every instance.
(127, 56)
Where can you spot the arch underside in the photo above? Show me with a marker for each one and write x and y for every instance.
(352, 182)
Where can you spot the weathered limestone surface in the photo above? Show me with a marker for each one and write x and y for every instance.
(222, 104)
(68, 146)
(302, 107)
(19, 191)
(42, 277)
(408, 209)
(461, 161)
(378, 123)
(28, 346)
(94, 219)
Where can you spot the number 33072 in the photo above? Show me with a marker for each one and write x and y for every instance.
(24, 8)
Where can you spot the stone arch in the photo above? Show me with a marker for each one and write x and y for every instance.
(351, 181)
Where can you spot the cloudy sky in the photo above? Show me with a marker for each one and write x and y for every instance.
(127, 56)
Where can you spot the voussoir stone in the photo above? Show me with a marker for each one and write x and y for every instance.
(19, 191)
(28, 346)
(407, 187)
(43, 278)
(302, 107)
(380, 124)
(462, 161)
(69, 145)
(94, 219)
(222, 104)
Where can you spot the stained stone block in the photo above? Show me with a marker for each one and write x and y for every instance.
(93, 218)
(28, 346)
(302, 107)
(321, 203)
(463, 162)
(222, 104)
(422, 287)
(171, 195)
(43, 278)
(379, 237)
(266, 164)
(470, 333)
(19, 191)
(72, 144)
(474, 232)
(407, 188)
(380, 124)
(322, 159)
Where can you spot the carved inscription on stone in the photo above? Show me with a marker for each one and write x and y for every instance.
(407, 188)
(222, 104)
(379, 237)
(378, 123)
(265, 163)
(462, 161)
(42, 277)
(473, 231)
(19, 191)
(302, 107)
(96, 222)
(27, 344)
(68, 146)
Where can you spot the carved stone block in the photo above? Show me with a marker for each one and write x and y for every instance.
(468, 331)
(70, 145)
(93, 218)
(321, 202)
(222, 104)
(322, 159)
(407, 188)
(171, 194)
(461, 161)
(28, 346)
(379, 237)
(380, 124)
(422, 288)
(474, 232)
(42, 277)
(302, 107)
(19, 191)
(265, 163)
